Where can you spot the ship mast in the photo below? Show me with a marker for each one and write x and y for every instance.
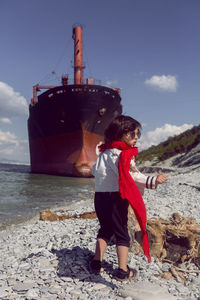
(78, 55)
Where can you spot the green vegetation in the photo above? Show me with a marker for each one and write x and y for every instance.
(172, 146)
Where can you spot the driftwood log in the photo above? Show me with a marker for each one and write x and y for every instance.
(48, 215)
(175, 241)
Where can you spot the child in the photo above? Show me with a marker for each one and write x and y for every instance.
(118, 183)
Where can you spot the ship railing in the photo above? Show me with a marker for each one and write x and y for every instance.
(63, 89)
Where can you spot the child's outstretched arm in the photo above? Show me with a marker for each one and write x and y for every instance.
(161, 178)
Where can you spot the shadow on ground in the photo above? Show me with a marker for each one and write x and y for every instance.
(74, 263)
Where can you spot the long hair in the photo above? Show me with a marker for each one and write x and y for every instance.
(120, 126)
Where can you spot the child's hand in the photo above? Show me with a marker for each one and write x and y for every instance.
(161, 178)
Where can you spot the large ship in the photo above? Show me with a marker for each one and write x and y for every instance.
(67, 122)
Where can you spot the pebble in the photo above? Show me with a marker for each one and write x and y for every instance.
(97, 286)
(3, 293)
(22, 287)
(49, 260)
(31, 294)
(165, 267)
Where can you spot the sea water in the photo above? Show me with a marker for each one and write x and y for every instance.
(23, 194)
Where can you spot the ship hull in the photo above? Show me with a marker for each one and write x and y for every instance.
(66, 125)
(63, 155)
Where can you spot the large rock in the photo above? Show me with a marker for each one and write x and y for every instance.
(190, 158)
(145, 291)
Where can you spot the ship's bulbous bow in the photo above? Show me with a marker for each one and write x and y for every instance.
(83, 165)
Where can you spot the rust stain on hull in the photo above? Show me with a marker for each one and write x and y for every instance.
(64, 154)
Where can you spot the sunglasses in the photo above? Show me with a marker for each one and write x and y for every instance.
(133, 134)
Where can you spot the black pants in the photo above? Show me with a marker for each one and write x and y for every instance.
(112, 212)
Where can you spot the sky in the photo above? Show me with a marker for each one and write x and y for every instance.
(150, 49)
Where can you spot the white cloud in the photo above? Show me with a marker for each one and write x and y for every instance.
(165, 83)
(7, 138)
(5, 121)
(161, 134)
(12, 104)
(13, 148)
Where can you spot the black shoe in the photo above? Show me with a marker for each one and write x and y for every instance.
(95, 266)
(122, 275)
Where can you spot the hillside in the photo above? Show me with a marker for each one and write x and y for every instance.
(184, 148)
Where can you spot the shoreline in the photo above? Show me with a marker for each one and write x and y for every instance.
(18, 221)
(49, 260)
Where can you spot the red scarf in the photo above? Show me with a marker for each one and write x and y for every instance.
(128, 188)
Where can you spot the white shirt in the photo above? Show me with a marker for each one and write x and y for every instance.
(106, 173)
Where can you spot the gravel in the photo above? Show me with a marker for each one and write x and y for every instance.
(49, 260)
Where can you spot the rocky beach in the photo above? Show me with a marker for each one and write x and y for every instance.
(43, 260)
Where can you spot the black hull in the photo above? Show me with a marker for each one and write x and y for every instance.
(66, 124)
